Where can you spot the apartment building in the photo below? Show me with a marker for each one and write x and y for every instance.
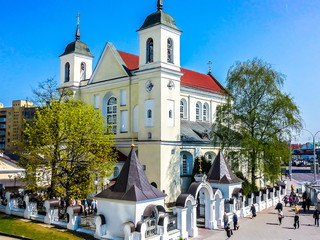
(12, 122)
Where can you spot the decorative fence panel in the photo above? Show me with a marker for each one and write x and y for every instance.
(172, 225)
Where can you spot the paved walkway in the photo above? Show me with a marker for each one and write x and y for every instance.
(265, 226)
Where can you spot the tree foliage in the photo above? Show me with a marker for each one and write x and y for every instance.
(257, 120)
(67, 147)
(205, 166)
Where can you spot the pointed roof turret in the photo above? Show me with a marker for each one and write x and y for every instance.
(159, 17)
(220, 172)
(132, 183)
(77, 46)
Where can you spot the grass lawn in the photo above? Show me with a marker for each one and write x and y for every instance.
(31, 229)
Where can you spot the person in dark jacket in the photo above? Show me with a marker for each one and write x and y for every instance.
(279, 206)
(235, 221)
(304, 205)
(316, 217)
(296, 221)
(253, 210)
(308, 203)
(228, 230)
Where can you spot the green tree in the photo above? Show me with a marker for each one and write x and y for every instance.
(67, 147)
(257, 119)
(205, 166)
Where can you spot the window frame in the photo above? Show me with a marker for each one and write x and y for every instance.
(67, 72)
(112, 113)
(150, 50)
(170, 50)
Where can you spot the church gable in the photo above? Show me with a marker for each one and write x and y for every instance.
(109, 66)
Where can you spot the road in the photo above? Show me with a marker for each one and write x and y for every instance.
(265, 226)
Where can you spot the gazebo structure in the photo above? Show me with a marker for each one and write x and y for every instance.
(131, 204)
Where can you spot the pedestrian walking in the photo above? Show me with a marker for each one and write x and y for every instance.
(290, 201)
(296, 209)
(308, 203)
(228, 230)
(280, 216)
(279, 206)
(235, 221)
(285, 199)
(316, 217)
(225, 220)
(93, 205)
(253, 210)
(304, 205)
(296, 199)
(296, 221)
(304, 195)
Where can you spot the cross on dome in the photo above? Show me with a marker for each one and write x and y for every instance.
(209, 66)
(78, 29)
(159, 5)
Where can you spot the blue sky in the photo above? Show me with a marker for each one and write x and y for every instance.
(284, 33)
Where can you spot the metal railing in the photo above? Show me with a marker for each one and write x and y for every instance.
(151, 227)
(172, 221)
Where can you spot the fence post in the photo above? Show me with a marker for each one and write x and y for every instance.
(74, 219)
(101, 226)
(182, 221)
(27, 211)
(128, 229)
(9, 203)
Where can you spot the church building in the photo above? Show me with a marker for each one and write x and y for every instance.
(150, 99)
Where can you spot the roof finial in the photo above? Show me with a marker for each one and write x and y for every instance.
(159, 5)
(209, 66)
(132, 144)
(78, 30)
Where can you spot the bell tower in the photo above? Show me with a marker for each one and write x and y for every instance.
(76, 62)
(159, 100)
(159, 41)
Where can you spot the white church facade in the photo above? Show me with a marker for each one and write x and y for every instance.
(165, 109)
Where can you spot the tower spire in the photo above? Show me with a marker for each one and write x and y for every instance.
(78, 30)
(159, 5)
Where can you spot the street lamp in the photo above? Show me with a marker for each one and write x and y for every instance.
(314, 152)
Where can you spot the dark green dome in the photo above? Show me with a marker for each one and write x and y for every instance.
(77, 47)
(157, 18)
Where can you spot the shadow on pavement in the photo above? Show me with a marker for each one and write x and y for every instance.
(288, 227)
(272, 223)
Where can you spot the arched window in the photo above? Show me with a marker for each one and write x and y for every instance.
(184, 164)
(112, 113)
(205, 112)
(170, 50)
(67, 72)
(149, 114)
(83, 71)
(149, 50)
(198, 111)
(116, 172)
(183, 108)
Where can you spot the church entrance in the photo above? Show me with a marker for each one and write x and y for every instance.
(203, 194)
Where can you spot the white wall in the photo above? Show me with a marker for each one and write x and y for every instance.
(117, 212)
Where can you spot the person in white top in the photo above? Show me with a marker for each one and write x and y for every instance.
(280, 216)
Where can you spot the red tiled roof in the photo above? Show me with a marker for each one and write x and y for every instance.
(199, 80)
(189, 78)
(132, 61)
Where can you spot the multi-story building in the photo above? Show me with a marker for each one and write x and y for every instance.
(166, 109)
(12, 122)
